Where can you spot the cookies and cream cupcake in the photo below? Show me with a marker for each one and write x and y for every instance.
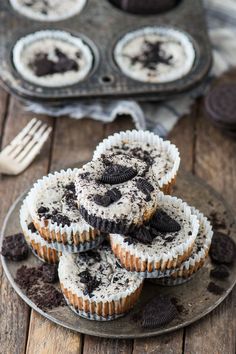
(116, 193)
(52, 204)
(162, 244)
(162, 156)
(41, 248)
(155, 54)
(96, 287)
(198, 256)
(49, 10)
(52, 58)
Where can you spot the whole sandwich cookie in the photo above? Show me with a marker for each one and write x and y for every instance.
(155, 54)
(52, 58)
(116, 193)
(96, 287)
(52, 204)
(48, 10)
(144, 7)
(220, 106)
(162, 244)
(198, 256)
(41, 248)
(162, 156)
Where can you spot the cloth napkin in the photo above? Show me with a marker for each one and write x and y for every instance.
(161, 117)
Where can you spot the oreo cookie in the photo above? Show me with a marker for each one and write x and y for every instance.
(111, 196)
(220, 107)
(223, 249)
(49, 273)
(162, 222)
(158, 312)
(143, 235)
(215, 289)
(220, 272)
(15, 247)
(116, 174)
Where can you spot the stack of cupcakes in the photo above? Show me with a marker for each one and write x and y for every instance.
(122, 195)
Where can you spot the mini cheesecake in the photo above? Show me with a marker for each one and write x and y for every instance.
(52, 58)
(162, 156)
(162, 244)
(96, 287)
(52, 204)
(155, 54)
(198, 256)
(116, 193)
(49, 10)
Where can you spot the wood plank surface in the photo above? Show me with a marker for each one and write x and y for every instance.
(14, 313)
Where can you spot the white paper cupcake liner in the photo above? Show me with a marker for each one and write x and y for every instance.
(144, 137)
(164, 77)
(70, 9)
(41, 248)
(75, 237)
(100, 307)
(59, 79)
(150, 265)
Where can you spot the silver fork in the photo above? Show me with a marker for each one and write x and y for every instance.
(22, 150)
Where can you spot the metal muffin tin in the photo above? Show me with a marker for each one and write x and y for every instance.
(101, 25)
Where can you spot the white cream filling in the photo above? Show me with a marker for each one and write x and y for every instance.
(27, 48)
(174, 44)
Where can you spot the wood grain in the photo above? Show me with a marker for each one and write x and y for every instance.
(95, 345)
(49, 338)
(14, 313)
(167, 344)
(215, 162)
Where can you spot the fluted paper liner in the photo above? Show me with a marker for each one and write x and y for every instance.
(168, 180)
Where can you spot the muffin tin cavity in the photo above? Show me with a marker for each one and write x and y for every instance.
(147, 7)
(48, 10)
(155, 54)
(53, 58)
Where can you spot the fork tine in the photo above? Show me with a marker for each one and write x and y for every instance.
(28, 147)
(36, 148)
(31, 126)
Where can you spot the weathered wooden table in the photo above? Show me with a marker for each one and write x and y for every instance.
(204, 151)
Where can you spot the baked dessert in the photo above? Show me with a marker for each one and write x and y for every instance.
(155, 54)
(52, 204)
(52, 58)
(116, 193)
(162, 244)
(41, 248)
(48, 10)
(96, 287)
(198, 256)
(162, 156)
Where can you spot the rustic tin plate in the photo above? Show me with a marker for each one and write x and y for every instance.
(103, 25)
(192, 298)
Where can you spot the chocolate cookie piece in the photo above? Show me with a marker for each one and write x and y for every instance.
(220, 272)
(111, 196)
(162, 222)
(15, 247)
(145, 186)
(222, 249)
(215, 289)
(46, 296)
(49, 273)
(26, 277)
(158, 312)
(116, 174)
(143, 235)
(220, 106)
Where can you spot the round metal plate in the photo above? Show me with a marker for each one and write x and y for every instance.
(193, 297)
